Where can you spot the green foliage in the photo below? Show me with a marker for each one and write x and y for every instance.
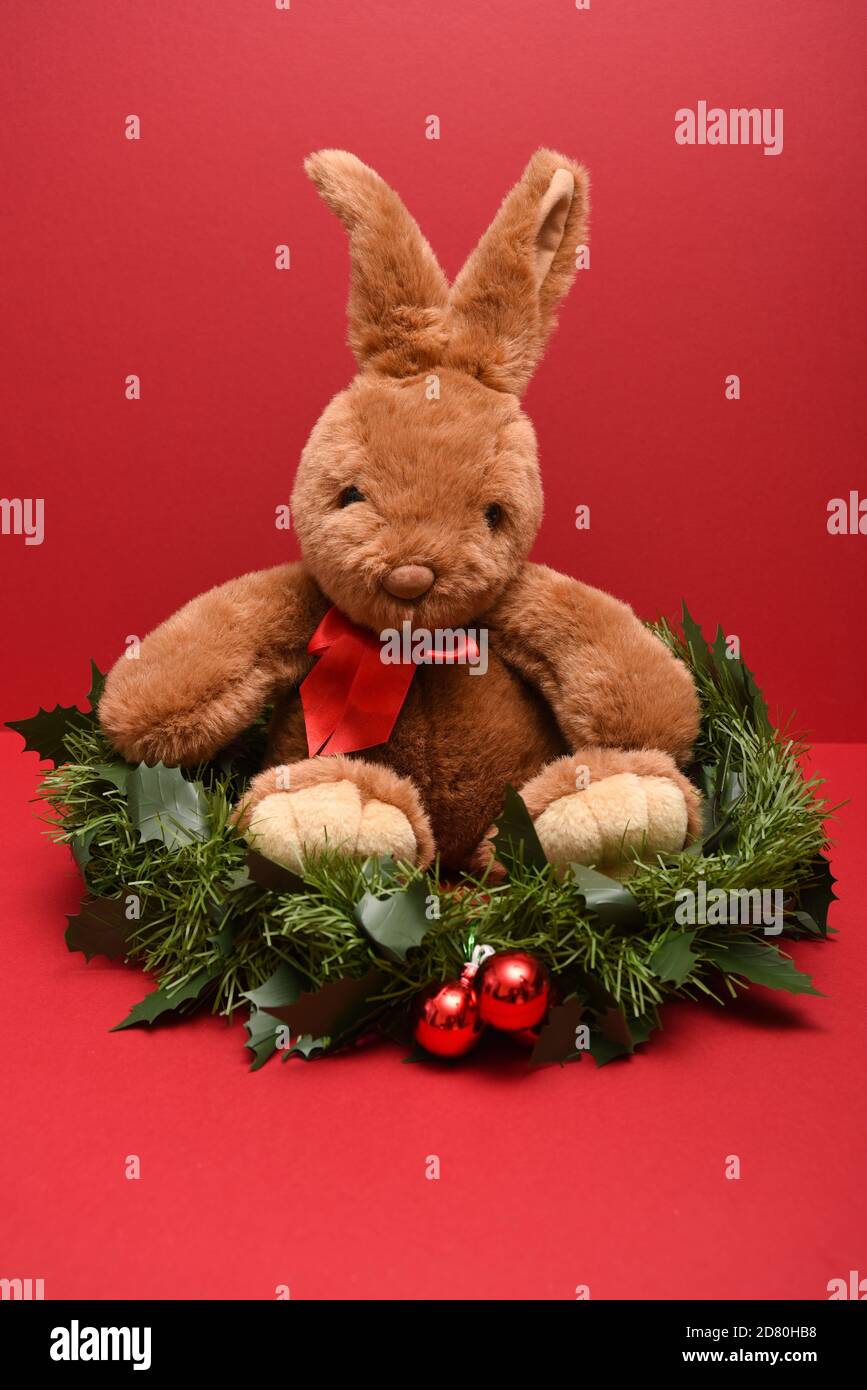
(761, 963)
(516, 841)
(607, 900)
(165, 806)
(99, 928)
(674, 957)
(97, 686)
(169, 1001)
(47, 731)
(398, 921)
(348, 945)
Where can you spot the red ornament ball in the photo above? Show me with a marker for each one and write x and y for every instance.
(513, 990)
(448, 1022)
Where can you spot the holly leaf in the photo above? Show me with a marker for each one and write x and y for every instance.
(282, 988)
(640, 1027)
(223, 936)
(272, 876)
(674, 957)
(80, 846)
(801, 924)
(591, 990)
(45, 733)
(722, 791)
(307, 1047)
(100, 927)
(762, 965)
(163, 1001)
(379, 868)
(279, 993)
(263, 1032)
(334, 1009)
(396, 922)
(220, 909)
(163, 805)
(695, 638)
(115, 773)
(616, 1034)
(734, 676)
(97, 685)
(816, 898)
(613, 1026)
(604, 1050)
(516, 839)
(607, 899)
(730, 674)
(557, 1042)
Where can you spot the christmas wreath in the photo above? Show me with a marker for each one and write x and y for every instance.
(566, 962)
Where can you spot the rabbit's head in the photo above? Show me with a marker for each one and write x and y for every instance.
(418, 493)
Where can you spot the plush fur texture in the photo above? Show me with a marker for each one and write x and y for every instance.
(429, 436)
(560, 778)
(374, 787)
(624, 812)
(287, 826)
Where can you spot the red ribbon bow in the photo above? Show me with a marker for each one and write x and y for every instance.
(352, 698)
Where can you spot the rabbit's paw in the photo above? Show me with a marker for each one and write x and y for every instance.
(607, 822)
(360, 809)
(287, 825)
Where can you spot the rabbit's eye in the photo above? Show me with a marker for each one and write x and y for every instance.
(493, 516)
(350, 495)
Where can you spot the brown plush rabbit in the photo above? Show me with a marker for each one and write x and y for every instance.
(417, 500)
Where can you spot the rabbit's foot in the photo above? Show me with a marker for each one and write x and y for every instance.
(334, 803)
(601, 806)
(605, 824)
(287, 825)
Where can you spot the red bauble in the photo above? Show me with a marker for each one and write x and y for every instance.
(448, 1022)
(513, 991)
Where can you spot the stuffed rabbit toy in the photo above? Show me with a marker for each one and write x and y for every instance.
(417, 500)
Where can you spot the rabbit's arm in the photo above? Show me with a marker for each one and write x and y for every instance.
(207, 672)
(609, 681)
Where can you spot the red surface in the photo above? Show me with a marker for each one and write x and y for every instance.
(313, 1175)
(157, 258)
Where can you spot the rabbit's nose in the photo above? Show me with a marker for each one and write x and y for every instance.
(408, 581)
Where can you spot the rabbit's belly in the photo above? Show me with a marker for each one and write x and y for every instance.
(462, 738)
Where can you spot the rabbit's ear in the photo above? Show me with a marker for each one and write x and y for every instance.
(504, 300)
(398, 298)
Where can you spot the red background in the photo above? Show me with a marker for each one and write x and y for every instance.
(157, 258)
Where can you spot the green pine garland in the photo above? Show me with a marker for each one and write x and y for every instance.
(316, 963)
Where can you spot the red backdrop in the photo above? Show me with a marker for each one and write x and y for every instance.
(156, 257)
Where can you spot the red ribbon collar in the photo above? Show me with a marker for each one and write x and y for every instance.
(352, 698)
